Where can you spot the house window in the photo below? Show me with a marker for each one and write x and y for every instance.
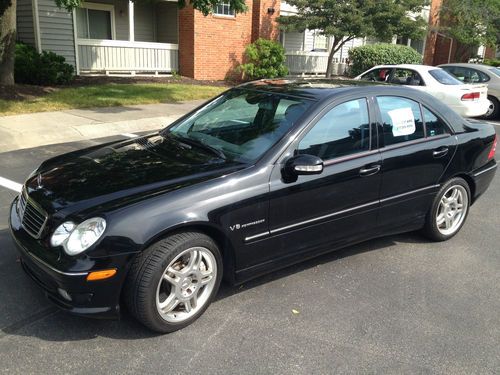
(95, 21)
(320, 42)
(223, 9)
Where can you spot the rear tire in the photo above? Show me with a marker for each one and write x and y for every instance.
(173, 282)
(493, 110)
(449, 210)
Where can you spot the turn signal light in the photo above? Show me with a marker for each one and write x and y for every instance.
(491, 155)
(471, 96)
(101, 275)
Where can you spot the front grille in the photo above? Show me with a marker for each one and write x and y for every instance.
(32, 216)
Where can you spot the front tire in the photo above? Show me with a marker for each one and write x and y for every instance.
(173, 282)
(449, 210)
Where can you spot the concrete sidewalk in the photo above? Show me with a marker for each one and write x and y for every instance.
(44, 128)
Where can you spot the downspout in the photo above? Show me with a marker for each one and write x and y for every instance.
(36, 26)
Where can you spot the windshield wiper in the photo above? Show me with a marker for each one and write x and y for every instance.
(199, 144)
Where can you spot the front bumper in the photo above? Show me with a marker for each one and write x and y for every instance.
(69, 289)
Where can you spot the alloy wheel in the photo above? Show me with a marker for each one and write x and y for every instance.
(452, 210)
(186, 284)
(491, 108)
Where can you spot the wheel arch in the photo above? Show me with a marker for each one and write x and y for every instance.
(221, 239)
(470, 181)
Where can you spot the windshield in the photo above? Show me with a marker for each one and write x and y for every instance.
(241, 124)
(444, 77)
(495, 71)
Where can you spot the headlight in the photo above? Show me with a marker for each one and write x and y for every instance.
(78, 238)
(62, 233)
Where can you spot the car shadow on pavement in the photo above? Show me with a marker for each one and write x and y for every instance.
(24, 310)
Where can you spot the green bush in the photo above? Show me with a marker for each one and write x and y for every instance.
(492, 62)
(265, 59)
(46, 68)
(366, 57)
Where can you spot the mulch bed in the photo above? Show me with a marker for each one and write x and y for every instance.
(28, 92)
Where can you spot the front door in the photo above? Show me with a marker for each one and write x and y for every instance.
(320, 212)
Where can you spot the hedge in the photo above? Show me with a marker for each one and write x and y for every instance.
(366, 57)
(46, 68)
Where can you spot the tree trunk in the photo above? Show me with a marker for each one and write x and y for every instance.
(329, 66)
(337, 44)
(7, 41)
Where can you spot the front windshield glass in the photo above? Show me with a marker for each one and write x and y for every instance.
(443, 77)
(241, 124)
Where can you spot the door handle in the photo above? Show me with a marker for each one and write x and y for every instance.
(364, 172)
(440, 152)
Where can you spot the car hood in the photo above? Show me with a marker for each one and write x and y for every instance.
(120, 172)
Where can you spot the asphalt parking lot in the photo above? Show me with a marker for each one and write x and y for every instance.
(395, 305)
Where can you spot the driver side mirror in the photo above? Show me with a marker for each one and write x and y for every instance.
(301, 165)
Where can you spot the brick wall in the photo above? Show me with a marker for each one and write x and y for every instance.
(186, 41)
(264, 23)
(430, 44)
(211, 47)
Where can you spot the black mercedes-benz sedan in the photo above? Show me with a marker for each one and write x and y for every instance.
(265, 175)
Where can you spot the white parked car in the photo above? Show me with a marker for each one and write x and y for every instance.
(478, 73)
(469, 100)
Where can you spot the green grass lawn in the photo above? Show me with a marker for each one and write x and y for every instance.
(109, 95)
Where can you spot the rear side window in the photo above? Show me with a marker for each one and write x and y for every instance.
(443, 77)
(401, 119)
(433, 124)
(344, 130)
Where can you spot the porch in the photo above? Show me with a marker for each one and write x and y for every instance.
(117, 36)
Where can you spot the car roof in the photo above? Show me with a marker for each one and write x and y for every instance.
(417, 67)
(469, 65)
(315, 89)
(329, 89)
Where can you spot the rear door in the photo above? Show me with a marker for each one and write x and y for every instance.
(416, 148)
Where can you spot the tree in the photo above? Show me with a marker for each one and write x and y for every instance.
(344, 20)
(8, 27)
(472, 23)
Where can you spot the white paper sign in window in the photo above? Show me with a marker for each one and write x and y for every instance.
(403, 121)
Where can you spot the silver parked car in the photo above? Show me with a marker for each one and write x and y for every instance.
(478, 73)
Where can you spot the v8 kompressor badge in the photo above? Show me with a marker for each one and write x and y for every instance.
(241, 226)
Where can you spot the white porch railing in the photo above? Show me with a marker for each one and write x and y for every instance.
(120, 56)
(302, 62)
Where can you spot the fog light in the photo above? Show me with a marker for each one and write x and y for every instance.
(101, 275)
(64, 294)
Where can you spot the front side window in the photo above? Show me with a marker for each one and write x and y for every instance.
(223, 9)
(407, 77)
(443, 77)
(401, 119)
(93, 23)
(467, 75)
(433, 124)
(377, 75)
(344, 130)
(241, 124)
